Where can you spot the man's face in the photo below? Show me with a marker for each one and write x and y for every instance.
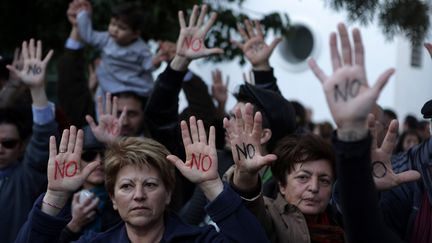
(133, 121)
(10, 145)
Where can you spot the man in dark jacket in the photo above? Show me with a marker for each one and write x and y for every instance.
(23, 167)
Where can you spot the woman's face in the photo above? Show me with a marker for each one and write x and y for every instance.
(309, 186)
(410, 141)
(140, 196)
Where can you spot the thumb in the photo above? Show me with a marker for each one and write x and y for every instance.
(382, 81)
(408, 176)
(12, 69)
(213, 51)
(268, 159)
(178, 163)
(89, 169)
(274, 43)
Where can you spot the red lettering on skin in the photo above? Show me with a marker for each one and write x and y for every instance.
(75, 164)
(195, 161)
(209, 163)
(187, 41)
(57, 168)
(196, 47)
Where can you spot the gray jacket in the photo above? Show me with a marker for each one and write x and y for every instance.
(123, 68)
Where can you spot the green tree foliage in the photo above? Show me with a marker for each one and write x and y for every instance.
(407, 17)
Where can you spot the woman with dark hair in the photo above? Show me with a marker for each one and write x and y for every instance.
(407, 140)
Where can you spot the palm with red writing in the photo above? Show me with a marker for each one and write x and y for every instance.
(384, 176)
(34, 68)
(244, 130)
(109, 127)
(347, 91)
(190, 43)
(64, 170)
(201, 157)
(254, 47)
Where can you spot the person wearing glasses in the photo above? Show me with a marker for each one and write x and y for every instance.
(91, 209)
(23, 166)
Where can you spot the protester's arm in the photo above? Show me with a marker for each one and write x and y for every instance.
(161, 112)
(83, 212)
(220, 92)
(65, 175)
(244, 131)
(33, 76)
(108, 128)
(13, 90)
(258, 53)
(73, 93)
(225, 207)
(359, 199)
(97, 39)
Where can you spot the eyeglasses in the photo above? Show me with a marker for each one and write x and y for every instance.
(9, 143)
(90, 155)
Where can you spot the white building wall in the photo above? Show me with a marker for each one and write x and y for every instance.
(414, 85)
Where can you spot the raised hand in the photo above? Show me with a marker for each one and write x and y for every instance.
(219, 89)
(383, 174)
(17, 63)
(347, 91)
(254, 47)
(83, 212)
(244, 131)
(34, 68)
(165, 53)
(64, 170)
(109, 127)
(201, 166)
(190, 43)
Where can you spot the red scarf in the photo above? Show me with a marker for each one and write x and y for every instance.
(422, 230)
(321, 231)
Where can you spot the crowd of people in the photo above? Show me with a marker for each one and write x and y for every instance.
(114, 161)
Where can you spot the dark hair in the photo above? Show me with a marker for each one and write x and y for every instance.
(390, 113)
(299, 148)
(11, 116)
(242, 97)
(130, 14)
(300, 112)
(131, 94)
(411, 122)
(399, 146)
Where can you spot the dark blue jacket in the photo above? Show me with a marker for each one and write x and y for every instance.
(400, 205)
(22, 183)
(235, 222)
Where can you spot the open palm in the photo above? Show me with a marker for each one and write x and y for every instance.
(64, 170)
(190, 43)
(244, 132)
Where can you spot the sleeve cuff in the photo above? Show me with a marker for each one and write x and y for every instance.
(224, 204)
(188, 77)
(73, 44)
(44, 115)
